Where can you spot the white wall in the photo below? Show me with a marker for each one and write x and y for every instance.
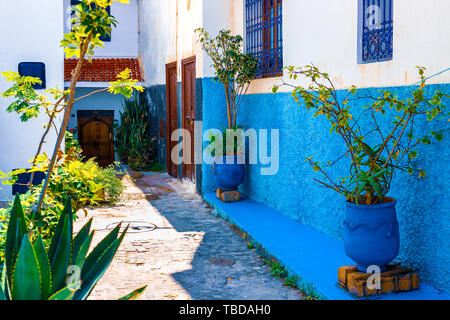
(30, 32)
(124, 37)
(167, 35)
(325, 33)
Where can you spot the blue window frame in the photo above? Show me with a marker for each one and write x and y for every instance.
(264, 35)
(104, 38)
(375, 31)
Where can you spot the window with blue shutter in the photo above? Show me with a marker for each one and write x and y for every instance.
(264, 35)
(104, 38)
(33, 69)
(375, 34)
(23, 180)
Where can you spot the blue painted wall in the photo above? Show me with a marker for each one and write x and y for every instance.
(423, 207)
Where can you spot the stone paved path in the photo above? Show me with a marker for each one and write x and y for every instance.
(191, 255)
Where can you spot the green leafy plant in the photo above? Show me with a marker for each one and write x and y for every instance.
(133, 140)
(276, 268)
(72, 143)
(31, 272)
(227, 142)
(90, 22)
(375, 155)
(86, 183)
(235, 70)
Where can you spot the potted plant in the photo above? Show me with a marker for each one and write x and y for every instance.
(374, 152)
(234, 70)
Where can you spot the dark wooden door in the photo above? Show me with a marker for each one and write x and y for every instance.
(96, 137)
(172, 115)
(188, 98)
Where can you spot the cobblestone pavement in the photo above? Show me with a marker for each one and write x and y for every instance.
(191, 254)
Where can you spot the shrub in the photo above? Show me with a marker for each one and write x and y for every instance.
(133, 140)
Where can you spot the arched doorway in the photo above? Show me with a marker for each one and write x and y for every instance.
(96, 136)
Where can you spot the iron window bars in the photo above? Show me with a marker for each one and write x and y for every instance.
(264, 35)
(375, 31)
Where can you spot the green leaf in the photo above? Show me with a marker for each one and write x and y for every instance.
(2, 295)
(26, 284)
(81, 254)
(80, 238)
(64, 294)
(135, 294)
(63, 250)
(412, 155)
(14, 235)
(93, 270)
(44, 268)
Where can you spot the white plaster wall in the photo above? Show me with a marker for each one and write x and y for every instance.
(321, 32)
(167, 35)
(124, 37)
(325, 33)
(30, 32)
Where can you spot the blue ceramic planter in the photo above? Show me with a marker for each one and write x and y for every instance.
(229, 174)
(371, 235)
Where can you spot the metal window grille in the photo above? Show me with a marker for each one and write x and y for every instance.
(264, 35)
(376, 30)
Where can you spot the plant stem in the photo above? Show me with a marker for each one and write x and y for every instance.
(75, 76)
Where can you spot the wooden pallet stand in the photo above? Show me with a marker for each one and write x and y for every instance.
(228, 196)
(396, 278)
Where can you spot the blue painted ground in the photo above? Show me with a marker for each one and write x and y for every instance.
(306, 252)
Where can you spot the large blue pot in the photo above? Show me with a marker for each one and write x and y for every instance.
(229, 174)
(371, 235)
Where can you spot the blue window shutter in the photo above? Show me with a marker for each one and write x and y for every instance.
(33, 69)
(23, 179)
(375, 30)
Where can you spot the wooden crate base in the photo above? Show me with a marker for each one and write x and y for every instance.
(228, 196)
(396, 279)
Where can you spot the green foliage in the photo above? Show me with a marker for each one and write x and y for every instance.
(108, 177)
(374, 155)
(276, 269)
(234, 69)
(124, 85)
(86, 183)
(227, 142)
(31, 272)
(72, 143)
(133, 140)
(90, 22)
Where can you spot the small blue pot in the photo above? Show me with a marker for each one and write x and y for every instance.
(229, 174)
(371, 235)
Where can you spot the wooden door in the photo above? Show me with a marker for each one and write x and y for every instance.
(96, 137)
(172, 115)
(188, 100)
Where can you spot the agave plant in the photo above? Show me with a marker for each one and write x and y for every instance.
(31, 272)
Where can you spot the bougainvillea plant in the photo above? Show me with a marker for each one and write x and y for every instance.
(376, 152)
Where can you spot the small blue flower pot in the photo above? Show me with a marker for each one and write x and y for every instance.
(229, 174)
(371, 235)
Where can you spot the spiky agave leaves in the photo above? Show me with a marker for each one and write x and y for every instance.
(32, 273)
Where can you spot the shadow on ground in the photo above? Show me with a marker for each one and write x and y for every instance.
(223, 267)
